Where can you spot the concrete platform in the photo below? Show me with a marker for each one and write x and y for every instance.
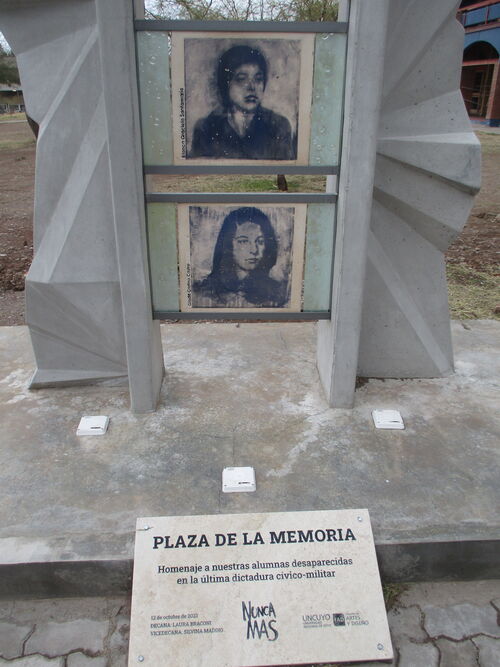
(247, 394)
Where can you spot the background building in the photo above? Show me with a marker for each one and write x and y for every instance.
(480, 70)
(11, 98)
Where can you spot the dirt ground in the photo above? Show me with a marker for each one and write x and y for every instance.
(478, 244)
(17, 172)
(476, 249)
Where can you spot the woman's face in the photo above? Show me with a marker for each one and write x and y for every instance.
(248, 246)
(246, 88)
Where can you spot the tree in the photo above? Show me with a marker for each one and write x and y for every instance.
(308, 10)
(8, 69)
(244, 10)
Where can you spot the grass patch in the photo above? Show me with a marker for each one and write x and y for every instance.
(15, 144)
(10, 117)
(235, 183)
(15, 135)
(392, 593)
(268, 184)
(490, 141)
(257, 184)
(473, 294)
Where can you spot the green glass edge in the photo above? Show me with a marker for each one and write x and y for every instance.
(327, 98)
(319, 256)
(162, 244)
(153, 67)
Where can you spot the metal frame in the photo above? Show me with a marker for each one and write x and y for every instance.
(239, 198)
(268, 316)
(240, 26)
(325, 170)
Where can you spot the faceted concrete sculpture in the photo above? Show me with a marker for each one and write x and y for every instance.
(426, 173)
(410, 168)
(87, 292)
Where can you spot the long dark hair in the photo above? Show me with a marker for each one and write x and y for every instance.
(223, 277)
(229, 62)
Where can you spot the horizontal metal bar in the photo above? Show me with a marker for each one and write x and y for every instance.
(326, 170)
(241, 26)
(241, 198)
(231, 316)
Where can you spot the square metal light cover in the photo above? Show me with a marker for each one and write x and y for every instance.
(93, 425)
(389, 419)
(237, 480)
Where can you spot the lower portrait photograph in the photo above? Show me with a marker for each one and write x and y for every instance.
(247, 257)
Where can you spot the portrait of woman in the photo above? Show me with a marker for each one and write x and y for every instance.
(242, 127)
(245, 252)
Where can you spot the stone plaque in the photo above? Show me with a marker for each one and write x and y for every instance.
(238, 590)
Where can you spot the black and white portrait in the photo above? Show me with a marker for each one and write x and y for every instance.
(242, 99)
(238, 257)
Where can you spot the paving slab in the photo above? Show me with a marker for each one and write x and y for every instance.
(71, 632)
(489, 651)
(247, 394)
(53, 638)
(12, 638)
(34, 661)
(461, 621)
(479, 593)
(407, 622)
(81, 660)
(413, 647)
(457, 654)
(418, 655)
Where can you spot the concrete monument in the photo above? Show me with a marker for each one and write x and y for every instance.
(87, 292)
(410, 168)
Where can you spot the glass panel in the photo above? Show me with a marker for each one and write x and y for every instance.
(154, 91)
(327, 100)
(162, 242)
(319, 256)
(236, 259)
(163, 257)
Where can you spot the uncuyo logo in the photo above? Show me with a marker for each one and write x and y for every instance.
(260, 621)
(316, 620)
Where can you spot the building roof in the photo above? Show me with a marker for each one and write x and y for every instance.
(7, 88)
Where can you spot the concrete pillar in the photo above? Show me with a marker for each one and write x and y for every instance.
(87, 292)
(338, 338)
(119, 78)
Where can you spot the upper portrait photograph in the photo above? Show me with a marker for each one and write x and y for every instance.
(241, 100)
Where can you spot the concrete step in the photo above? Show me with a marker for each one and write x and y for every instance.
(247, 394)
